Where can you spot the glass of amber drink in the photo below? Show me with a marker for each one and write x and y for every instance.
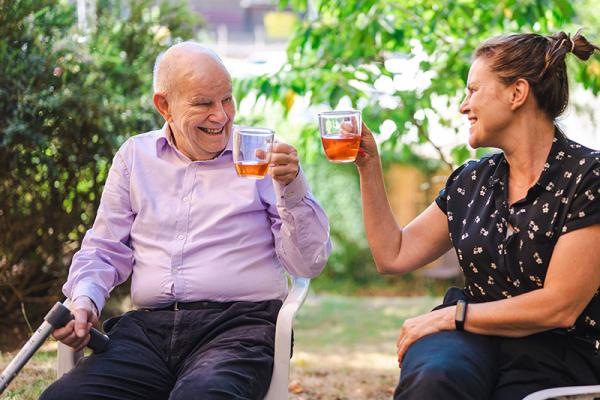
(340, 134)
(252, 151)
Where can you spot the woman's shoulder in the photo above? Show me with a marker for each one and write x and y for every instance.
(473, 171)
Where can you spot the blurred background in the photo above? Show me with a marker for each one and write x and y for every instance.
(75, 82)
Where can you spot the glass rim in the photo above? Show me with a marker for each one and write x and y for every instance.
(253, 130)
(338, 113)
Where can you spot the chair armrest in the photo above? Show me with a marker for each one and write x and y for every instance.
(573, 392)
(283, 339)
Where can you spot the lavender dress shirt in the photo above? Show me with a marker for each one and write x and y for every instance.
(193, 230)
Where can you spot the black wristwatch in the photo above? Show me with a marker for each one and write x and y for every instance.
(461, 315)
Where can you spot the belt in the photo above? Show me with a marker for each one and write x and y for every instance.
(193, 305)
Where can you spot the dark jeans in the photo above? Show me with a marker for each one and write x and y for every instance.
(217, 352)
(464, 366)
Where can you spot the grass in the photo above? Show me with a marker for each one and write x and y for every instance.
(344, 349)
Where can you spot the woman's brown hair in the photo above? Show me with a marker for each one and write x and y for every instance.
(540, 60)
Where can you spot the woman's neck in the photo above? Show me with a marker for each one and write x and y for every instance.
(526, 151)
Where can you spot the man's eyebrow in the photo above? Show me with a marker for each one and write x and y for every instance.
(200, 98)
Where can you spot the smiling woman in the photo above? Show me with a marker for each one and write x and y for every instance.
(525, 224)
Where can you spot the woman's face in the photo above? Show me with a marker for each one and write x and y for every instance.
(487, 105)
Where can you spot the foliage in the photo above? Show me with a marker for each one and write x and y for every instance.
(348, 50)
(67, 100)
(404, 62)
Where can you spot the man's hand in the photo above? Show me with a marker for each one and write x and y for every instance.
(284, 163)
(77, 332)
(415, 328)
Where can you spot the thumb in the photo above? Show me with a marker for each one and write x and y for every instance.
(81, 322)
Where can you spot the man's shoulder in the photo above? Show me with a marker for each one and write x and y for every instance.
(143, 142)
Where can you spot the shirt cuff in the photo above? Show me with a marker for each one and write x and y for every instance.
(291, 194)
(93, 292)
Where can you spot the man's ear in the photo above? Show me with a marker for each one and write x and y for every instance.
(162, 105)
(519, 93)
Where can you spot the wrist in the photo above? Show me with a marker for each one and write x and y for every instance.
(460, 315)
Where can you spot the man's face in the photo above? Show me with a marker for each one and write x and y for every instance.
(202, 110)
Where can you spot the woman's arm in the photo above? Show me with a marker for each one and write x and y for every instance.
(572, 280)
(396, 250)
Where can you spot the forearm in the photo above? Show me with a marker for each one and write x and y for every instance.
(383, 233)
(522, 315)
(302, 231)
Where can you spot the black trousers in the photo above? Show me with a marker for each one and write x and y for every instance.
(464, 366)
(221, 351)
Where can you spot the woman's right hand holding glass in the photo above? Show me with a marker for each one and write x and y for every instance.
(368, 154)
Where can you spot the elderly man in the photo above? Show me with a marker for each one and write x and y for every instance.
(206, 251)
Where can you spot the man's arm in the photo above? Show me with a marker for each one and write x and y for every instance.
(299, 224)
(104, 260)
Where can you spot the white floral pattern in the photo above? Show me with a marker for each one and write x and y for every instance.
(504, 250)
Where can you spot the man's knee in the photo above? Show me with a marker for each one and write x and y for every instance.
(61, 390)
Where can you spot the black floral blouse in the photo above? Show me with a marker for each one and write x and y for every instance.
(499, 262)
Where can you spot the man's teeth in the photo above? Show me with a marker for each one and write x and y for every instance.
(212, 131)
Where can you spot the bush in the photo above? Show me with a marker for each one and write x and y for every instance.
(67, 100)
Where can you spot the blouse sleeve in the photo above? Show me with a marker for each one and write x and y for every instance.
(585, 208)
(442, 199)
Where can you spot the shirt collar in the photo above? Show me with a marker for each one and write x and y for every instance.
(165, 139)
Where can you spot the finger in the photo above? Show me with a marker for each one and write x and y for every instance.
(283, 159)
(261, 154)
(283, 170)
(83, 343)
(81, 322)
(284, 148)
(365, 130)
(63, 332)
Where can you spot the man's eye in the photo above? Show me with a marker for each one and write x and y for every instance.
(228, 100)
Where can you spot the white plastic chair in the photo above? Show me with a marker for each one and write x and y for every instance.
(567, 392)
(278, 390)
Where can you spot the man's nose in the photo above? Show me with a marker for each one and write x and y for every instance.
(464, 106)
(218, 114)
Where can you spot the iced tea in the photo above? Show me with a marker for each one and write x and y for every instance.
(252, 169)
(341, 148)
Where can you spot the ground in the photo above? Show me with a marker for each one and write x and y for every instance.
(344, 349)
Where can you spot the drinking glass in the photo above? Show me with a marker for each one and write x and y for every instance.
(340, 134)
(252, 151)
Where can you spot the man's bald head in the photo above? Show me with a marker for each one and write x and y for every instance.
(179, 61)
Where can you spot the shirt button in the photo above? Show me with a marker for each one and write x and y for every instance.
(180, 237)
(185, 199)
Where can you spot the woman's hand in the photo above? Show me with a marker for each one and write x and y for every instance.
(367, 153)
(415, 328)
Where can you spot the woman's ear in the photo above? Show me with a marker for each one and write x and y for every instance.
(519, 93)
(162, 105)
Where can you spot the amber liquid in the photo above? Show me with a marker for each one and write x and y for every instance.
(252, 169)
(341, 148)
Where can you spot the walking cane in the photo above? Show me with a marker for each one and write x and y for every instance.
(57, 317)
